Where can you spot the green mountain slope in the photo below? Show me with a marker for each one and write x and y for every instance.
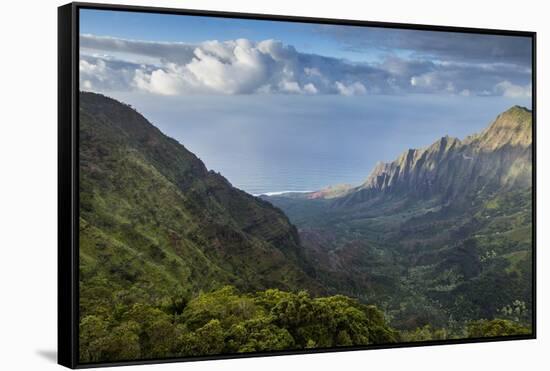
(174, 261)
(441, 234)
(154, 221)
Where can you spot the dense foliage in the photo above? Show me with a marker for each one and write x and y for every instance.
(441, 236)
(152, 216)
(442, 268)
(174, 261)
(226, 321)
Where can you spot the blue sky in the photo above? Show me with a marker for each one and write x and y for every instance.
(194, 29)
(174, 54)
(287, 106)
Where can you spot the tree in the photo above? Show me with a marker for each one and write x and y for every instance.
(496, 327)
(208, 339)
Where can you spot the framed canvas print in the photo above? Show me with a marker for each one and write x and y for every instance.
(235, 185)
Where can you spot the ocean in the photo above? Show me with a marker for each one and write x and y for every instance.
(276, 143)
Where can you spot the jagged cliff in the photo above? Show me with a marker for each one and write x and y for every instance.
(441, 234)
(499, 157)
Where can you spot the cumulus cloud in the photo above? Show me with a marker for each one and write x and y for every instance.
(508, 89)
(352, 89)
(105, 74)
(230, 67)
(270, 67)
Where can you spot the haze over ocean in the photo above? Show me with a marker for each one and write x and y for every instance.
(281, 143)
(291, 106)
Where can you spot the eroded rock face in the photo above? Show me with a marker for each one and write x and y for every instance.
(498, 157)
(442, 233)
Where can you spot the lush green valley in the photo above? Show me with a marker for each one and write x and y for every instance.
(440, 237)
(175, 261)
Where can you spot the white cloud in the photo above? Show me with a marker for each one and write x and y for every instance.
(168, 81)
(310, 88)
(427, 80)
(231, 67)
(508, 89)
(234, 67)
(289, 86)
(98, 74)
(270, 67)
(355, 88)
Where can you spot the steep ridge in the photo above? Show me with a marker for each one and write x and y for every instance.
(441, 234)
(497, 158)
(154, 222)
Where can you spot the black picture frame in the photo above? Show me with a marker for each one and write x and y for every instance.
(68, 176)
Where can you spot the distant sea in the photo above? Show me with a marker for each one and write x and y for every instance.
(276, 143)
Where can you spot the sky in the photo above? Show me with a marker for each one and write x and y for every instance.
(285, 100)
(173, 54)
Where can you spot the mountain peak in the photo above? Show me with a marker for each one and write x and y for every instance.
(497, 156)
(517, 108)
(513, 127)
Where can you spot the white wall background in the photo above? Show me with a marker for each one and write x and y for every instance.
(28, 156)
